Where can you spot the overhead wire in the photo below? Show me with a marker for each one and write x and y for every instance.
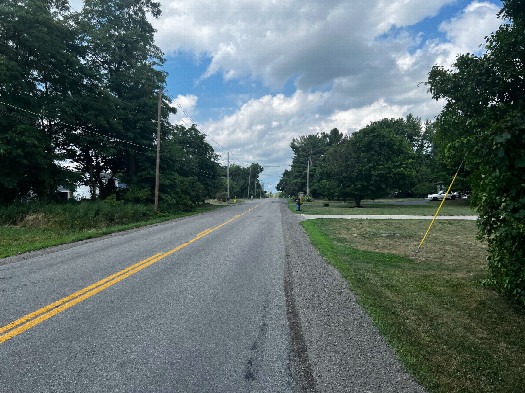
(108, 136)
(178, 104)
(173, 100)
(207, 134)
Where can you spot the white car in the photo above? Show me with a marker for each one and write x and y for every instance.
(441, 195)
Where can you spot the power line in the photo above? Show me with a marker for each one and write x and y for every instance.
(110, 136)
(194, 123)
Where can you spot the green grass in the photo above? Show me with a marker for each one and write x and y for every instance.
(452, 333)
(387, 206)
(52, 227)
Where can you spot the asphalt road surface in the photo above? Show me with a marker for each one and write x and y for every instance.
(233, 300)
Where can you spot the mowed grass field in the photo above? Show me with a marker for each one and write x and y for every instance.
(451, 332)
(458, 207)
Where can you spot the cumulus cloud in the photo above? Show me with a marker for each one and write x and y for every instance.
(185, 105)
(317, 40)
(262, 127)
(466, 32)
(366, 57)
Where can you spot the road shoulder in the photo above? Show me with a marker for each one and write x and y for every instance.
(336, 344)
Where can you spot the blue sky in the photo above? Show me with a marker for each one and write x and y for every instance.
(254, 74)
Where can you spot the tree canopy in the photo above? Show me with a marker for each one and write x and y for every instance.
(82, 88)
(483, 123)
(370, 163)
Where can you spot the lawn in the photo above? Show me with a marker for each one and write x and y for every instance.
(389, 206)
(451, 332)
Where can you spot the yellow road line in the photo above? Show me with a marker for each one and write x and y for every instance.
(67, 298)
(40, 315)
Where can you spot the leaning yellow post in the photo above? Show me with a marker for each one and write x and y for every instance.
(439, 208)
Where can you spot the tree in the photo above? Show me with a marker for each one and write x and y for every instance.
(483, 123)
(39, 70)
(189, 172)
(119, 108)
(308, 149)
(369, 164)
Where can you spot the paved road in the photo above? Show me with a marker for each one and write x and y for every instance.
(234, 300)
(209, 317)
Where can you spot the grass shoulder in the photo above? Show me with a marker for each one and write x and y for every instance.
(452, 333)
(52, 225)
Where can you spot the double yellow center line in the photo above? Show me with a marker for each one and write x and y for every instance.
(28, 321)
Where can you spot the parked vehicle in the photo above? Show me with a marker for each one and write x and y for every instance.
(441, 195)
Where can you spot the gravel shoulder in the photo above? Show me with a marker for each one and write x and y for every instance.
(337, 347)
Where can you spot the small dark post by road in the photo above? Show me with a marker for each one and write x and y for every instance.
(158, 155)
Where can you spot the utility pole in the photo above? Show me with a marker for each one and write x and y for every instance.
(249, 177)
(308, 177)
(158, 155)
(228, 176)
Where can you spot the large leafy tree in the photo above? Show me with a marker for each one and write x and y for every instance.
(371, 163)
(119, 110)
(39, 71)
(483, 123)
(189, 172)
(307, 149)
(244, 181)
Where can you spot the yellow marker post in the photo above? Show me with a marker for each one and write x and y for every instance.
(439, 208)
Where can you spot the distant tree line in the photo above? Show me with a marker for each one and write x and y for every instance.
(397, 157)
(82, 88)
(244, 182)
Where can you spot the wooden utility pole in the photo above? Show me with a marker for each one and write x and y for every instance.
(228, 176)
(249, 182)
(308, 177)
(158, 155)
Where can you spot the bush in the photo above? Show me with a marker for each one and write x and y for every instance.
(136, 195)
(75, 216)
(14, 213)
(222, 196)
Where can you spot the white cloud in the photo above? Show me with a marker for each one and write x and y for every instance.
(185, 105)
(404, 12)
(346, 48)
(467, 31)
(268, 120)
(317, 40)
(357, 118)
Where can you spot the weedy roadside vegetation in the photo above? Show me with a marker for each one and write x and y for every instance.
(32, 226)
(451, 332)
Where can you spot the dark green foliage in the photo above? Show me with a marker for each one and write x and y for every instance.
(37, 67)
(118, 50)
(483, 123)
(83, 87)
(74, 216)
(188, 171)
(371, 163)
(242, 180)
(308, 149)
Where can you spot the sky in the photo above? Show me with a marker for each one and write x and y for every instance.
(254, 74)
